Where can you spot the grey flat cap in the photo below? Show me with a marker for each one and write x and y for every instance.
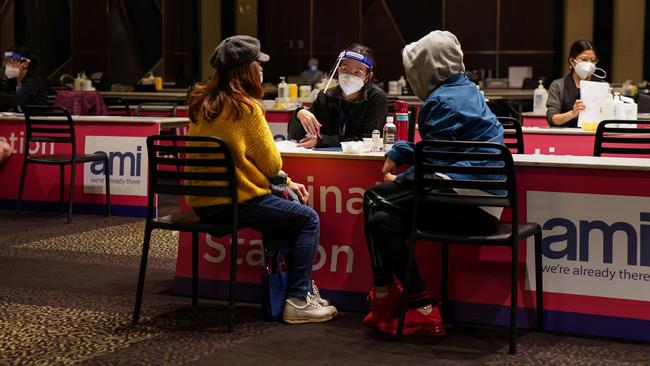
(235, 51)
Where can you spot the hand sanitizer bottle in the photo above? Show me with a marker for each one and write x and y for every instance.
(539, 98)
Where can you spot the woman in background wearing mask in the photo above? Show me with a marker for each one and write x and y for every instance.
(348, 112)
(24, 86)
(564, 104)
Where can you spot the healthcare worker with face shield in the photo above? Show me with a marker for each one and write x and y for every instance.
(563, 104)
(346, 112)
(22, 85)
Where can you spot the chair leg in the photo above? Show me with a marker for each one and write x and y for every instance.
(195, 268)
(444, 279)
(405, 286)
(73, 167)
(143, 271)
(107, 176)
(177, 155)
(62, 187)
(513, 298)
(233, 280)
(366, 231)
(538, 281)
(21, 187)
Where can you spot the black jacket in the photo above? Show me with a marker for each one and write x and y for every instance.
(31, 92)
(361, 117)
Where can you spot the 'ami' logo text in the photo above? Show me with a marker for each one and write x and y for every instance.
(593, 228)
(574, 242)
(120, 163)
(127, 166)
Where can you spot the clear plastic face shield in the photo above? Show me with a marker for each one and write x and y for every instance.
(353, 72)
(11, 64)
(13, 58)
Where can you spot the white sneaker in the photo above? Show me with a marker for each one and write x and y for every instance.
(309, 311)
(316, 293)
(319, 299)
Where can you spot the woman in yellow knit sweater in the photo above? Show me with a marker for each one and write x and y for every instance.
(227, 107)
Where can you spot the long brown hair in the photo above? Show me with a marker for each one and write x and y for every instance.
(238, 87)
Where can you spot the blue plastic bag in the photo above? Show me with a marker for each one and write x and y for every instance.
(274, 285)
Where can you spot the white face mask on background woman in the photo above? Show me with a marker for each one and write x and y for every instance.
(584, 69)
(350, 84)
(11, 72)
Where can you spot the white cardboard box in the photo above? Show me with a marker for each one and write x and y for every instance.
(517, 74)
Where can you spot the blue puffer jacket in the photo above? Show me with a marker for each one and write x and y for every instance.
(455, 110)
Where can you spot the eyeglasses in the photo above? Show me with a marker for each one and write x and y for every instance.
(347, 70)
(587, 59)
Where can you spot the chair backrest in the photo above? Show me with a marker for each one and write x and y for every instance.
(611, 139)
(513, 136)
(156, 109)
(176, 169)
(48, 124)
(118, 106)
(644, 103)
(474, 165)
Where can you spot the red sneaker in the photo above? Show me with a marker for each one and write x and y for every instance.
(384, 308)
(416, 323)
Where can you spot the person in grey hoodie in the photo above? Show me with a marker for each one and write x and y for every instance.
(453, 109)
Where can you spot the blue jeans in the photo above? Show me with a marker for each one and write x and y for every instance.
(277, 217)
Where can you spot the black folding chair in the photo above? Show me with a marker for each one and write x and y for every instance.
(159, 109)
(213, 175)
(433, 157)
(611, 139)
(513, 136)
(156, 109)
(117, 106)
(50, 124)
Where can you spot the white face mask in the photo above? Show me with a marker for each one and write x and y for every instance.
(11, 72)
(584, 69)
(261, 77)
(350, 84)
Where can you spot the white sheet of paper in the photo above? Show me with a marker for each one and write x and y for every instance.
(592, 94)
(289, 146)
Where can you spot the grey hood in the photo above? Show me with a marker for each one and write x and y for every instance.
(431, 60)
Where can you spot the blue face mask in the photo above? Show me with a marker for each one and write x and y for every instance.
(313, 67)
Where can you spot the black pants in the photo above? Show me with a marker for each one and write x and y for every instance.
(387, 212)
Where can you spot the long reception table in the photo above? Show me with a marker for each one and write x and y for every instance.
(122, 138)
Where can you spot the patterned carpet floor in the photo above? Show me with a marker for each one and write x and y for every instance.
(66, 296)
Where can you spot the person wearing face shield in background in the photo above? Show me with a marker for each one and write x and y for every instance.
(563, 104)
(347, 112)
(23, 85)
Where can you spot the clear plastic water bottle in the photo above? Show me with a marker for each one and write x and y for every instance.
(390, 131)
